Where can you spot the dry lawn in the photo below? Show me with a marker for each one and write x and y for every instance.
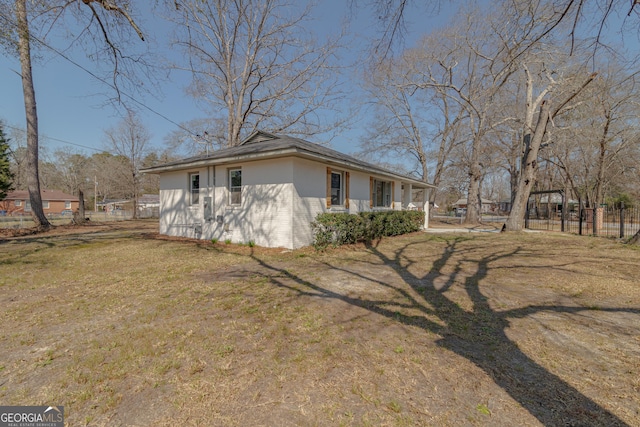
(127, 328)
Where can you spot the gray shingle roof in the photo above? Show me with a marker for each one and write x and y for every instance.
(261, 144)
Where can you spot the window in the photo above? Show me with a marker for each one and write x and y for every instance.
(235, 186)
(27, 205)
(67, 205)
(381, 193)
(194, 188)
(17, 203)
(45, 204)
(337, 189)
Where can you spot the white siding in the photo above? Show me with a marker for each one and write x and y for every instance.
(280, 199)
(309, 198)
(177, 217)
(359, 192)
(264, 216)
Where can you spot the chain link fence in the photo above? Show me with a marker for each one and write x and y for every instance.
(25, 221)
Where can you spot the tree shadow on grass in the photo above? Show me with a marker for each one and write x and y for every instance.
(477, 334)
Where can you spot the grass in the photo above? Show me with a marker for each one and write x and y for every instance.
(122, 328)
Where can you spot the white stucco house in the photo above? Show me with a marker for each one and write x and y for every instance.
(270, 188)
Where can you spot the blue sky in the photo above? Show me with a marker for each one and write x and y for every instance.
(71, 102)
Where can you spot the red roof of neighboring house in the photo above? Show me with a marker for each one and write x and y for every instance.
(50, 195)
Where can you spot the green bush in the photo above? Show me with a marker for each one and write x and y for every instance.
(337, 229)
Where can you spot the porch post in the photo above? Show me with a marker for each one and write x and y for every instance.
(425, 194)
(406, 195)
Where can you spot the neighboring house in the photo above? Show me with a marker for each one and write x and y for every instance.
(149, 201)
(149, 206)
(113, 206)
(504, 206)
(548, 205)
(460, 206)
(270, 188)
(53, 202)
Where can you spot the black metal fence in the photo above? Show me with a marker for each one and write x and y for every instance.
(607, 221)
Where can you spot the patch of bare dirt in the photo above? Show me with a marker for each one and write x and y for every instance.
(133, 328)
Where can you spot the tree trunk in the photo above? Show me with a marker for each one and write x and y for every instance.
(602, 157)
(33, 176)
(136, 195)
(81, 206)
(515, 221)
(475, 174)
(79, 217)
(514, 157)
(635, 240)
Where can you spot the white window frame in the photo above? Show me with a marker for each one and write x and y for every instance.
(386, 188)
(194, 193)
(17, 203)
(27, 206)
(67, 204)
(234, 189)
(340, 197)
(45, 204)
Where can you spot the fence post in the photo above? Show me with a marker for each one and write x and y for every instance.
(565, 214)
(580, 214)
(598, 222)
(621, 220)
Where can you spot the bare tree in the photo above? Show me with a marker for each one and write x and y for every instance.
(405, 125)
(540, 73)
(18, 158)
(110, 176)
(520, 42)
(533, 142)
(465, 64)
(582, 19)
(130, 139)
(102, 16)
(33, 178)
(253, 61)
(595, 144)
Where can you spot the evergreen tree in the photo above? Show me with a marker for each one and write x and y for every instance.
(6, 177)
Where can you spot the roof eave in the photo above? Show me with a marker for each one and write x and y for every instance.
(362, 168)
(207, 161)
(295, 151)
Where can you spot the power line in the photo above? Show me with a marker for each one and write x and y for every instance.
(60, 140)
(100, 79)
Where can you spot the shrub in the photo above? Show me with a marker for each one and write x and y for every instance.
(337, 229)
